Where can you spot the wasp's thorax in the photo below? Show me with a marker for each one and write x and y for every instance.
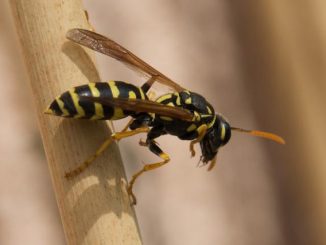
(218, 135)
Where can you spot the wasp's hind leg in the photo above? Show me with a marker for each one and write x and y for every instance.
(116, 136)
(152, 145)
(147, 85)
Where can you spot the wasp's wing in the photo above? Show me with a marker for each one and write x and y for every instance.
(109, 47)
(138, 105)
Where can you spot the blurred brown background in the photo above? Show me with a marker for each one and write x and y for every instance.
(261, 64)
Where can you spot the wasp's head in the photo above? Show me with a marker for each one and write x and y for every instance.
(218, 135)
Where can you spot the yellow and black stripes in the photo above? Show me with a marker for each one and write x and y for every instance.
(171, 99)
(196, 102)
(69, 104)
(96, 109)
(167, 98)
(203, 114)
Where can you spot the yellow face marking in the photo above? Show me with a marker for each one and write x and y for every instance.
(61, 105)
(164, 97)
(98, 107)
(192, 127)
(114, 89)
(75, 99)
(222, 132)
(132, 95)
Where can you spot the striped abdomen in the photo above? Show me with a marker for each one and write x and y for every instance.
(69, 105)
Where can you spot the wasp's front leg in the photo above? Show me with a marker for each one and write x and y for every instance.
(201, 130)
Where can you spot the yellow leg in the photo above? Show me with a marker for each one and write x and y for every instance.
(201, 133)
(102, 148)
(212, 164)
(146, 168)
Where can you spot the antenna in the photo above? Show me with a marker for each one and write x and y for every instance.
(266, 135)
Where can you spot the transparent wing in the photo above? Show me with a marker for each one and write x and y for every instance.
(109, 47)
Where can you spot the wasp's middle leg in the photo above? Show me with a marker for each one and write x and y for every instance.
(148, 84)
(153, 147)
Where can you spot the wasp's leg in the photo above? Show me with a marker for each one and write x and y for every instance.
(142, 120)
(102, 148)
(151, 144)
(212, 164)
(147, 85)
(146, 168)
(201, 130)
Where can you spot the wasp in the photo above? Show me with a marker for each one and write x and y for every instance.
(182, 113)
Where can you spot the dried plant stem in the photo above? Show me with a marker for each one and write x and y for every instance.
(94, 206)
